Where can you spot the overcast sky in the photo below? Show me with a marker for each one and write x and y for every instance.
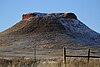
(88, 11)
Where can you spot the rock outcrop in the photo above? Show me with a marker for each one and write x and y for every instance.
(66, 15)
(28, 15)
(70, 15)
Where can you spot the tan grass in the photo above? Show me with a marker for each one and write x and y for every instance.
(57, 62)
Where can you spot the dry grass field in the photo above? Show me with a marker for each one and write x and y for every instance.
(58, 62)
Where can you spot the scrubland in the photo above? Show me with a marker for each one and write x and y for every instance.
(57, 62)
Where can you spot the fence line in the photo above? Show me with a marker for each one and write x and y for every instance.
(88, 56)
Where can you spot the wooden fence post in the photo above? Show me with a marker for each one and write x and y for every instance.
(88, 55)
(35, 59)
(64, 55)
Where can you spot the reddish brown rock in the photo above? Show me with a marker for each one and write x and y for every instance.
(28, 15)
(70, 15)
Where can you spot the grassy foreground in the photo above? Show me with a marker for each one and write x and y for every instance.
(58, 62)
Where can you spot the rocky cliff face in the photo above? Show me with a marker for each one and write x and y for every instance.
(54, 30)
